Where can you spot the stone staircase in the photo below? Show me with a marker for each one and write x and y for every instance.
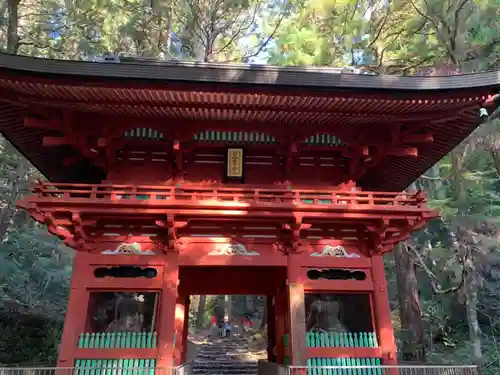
(224, 356)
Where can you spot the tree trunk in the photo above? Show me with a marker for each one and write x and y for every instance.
(8, 211)
(201, 312)
(13, 25)
(472, 321)
(263, 321)
(228, 304)
(409, 306)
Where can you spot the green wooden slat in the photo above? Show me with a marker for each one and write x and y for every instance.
(324, 362)
(340, 339)
(107, 340)
(121, 366)
(356, 340)
(93, 367)
(128, 340)
(371, 366)
(322, 341)
(78, 365)
(234, 137)
(99, 340)
(350, 340)
(363, 340)
(143, 133)
(86, 341)
(91, 340)
(81, 340)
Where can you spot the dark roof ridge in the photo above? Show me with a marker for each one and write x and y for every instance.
(319, 77)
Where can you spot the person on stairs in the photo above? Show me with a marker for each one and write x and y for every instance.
(246, 322)
(227, 328)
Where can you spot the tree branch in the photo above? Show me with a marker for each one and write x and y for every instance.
(436, 286)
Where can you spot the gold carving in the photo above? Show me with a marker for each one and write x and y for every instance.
(234, 249)
(335, 251)
(133, 248)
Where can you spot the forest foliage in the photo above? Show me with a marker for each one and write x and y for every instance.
(446, 308)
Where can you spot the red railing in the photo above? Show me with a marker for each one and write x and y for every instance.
(120, 193)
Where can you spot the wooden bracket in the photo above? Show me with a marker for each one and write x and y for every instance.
(377, 235)
(290, 235)
(403, 234)
(178, 151)
(172, 241)
(77, 239)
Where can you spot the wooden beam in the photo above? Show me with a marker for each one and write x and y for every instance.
(49, 141)
(360, 212)
(46, 124)
(402, 151)
(417, 138)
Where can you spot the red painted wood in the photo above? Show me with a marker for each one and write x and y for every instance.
(382, 310)
(86, 217)
(76, 314)
(344, 352)
(325, 286)
(167, 321)
(231, 280)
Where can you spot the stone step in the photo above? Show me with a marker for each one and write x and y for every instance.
(225, 358)
(228, 364)
(227, 343)
(219, 356)
(223, 352)
(218, 351)
(224, 349)
(222, 371)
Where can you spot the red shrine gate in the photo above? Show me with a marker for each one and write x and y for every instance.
(177, 180)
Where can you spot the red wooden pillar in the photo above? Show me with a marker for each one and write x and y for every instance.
(382, 310)
(297, 313)
(271, 330)
(280, 307)
(185, 330)
(166, 329)
(181, 310)
(76, 313)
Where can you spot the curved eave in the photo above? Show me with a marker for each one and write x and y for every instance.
(192, 89)
(237, 74)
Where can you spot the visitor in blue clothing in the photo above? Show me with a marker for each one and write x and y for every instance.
(227, 328)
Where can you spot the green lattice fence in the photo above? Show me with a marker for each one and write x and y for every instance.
(341, 340)
(118, 340)
(115, 367)
(371, 366)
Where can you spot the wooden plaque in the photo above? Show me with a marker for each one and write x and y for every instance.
(235, 165)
